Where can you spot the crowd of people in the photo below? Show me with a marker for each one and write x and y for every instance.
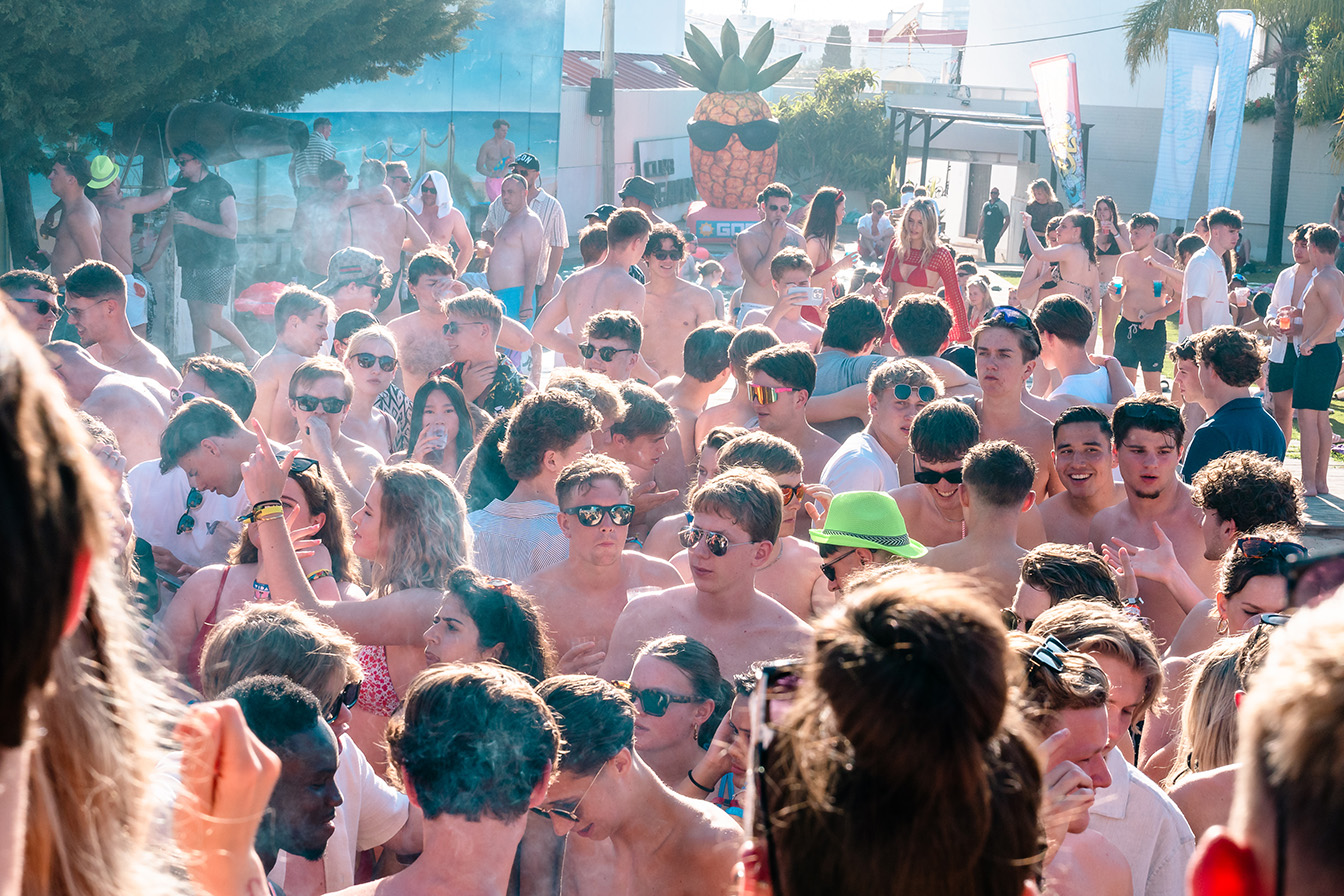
(840, 579)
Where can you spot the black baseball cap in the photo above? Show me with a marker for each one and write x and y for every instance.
(527, 160)
(601, 213)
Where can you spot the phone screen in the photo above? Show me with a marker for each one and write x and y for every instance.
(770, 702)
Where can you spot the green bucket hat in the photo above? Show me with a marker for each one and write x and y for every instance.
(867, 520)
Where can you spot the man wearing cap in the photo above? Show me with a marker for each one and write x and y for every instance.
(862, 529)
(304, 164)
(993, 221)
(640, 192)
(555, 235)
(117, 212)
(355, 278)
(383, 227)
(600, 214)
(494, 158)
(79, 235)
(205, 223)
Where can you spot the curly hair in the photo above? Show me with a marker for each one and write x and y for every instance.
(1251, 490)
(505, 614)
(424, 529)
(552, 420)
(1232, 353)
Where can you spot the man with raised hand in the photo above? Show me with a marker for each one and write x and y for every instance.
(758, 245)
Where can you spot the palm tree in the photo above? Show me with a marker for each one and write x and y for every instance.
(1306, 51)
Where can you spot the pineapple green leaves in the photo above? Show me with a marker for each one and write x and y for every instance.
(733, 71)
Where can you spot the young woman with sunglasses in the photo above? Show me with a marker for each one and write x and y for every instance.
(681, 696)
(312, 505)
(442, 430)
(371, 358)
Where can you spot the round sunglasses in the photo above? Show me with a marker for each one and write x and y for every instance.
(607, 353)
(903, 391)
(366, 360)
(590, 515)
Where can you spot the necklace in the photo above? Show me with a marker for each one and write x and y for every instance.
(949, 519)
(122, 358)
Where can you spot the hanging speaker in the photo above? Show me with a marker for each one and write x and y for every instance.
(600, 96)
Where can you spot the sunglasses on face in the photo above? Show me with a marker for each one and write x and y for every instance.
(717, 542)
(777, 208)
(349, 696)
(828, 568)
(181, 162)
(402, 177)
(569, 815)
(712, 136)
(42, 306)
(903, 391)
(767, 394)
(607, 353)
(183, 397)
(310, 403)
(666, 254)
(651, 700)
(590, 515)
(1255, 548)
(933, 477)
(1012, 619)
(187, 522)
(452, 328)
(793, 493)
(428, 190)
(366, 359)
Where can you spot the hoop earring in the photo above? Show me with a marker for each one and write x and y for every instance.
(1222, 627)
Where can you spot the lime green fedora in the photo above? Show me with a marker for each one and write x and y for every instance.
(867, 520)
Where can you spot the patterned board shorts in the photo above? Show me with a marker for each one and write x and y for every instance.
(213, 286)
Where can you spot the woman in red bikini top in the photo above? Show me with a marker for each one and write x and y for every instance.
(824, 214)
(916, 263)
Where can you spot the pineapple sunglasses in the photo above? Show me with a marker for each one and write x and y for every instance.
(712, 136)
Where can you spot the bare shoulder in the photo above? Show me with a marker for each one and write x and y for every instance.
(648, 570)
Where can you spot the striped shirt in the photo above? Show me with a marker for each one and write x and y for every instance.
(318, 150)
(553, 227)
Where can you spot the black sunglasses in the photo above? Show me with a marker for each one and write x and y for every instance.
(607, 353)
(717, 542)
(1143, 410)
(932, 477)
(348, 697)
(828, 568)
(187, 522)
(590, 515)
(653, 701)
(712, 136)
(1255, 548)
(1013, 317)
(452, 328)
(1049, 655)
(301, 464)
(365, 359)
(42, 306)
(903, 391)
(309, 403)
(666, 254)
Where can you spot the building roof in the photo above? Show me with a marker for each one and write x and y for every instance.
(941, 36)
(634, 71)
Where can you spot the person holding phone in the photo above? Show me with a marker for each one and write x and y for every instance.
(791, 276)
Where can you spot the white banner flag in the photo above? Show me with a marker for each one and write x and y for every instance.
(1191, 61)
(1236, 34)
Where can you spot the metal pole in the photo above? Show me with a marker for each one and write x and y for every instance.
(924, 159)
(905, 147)
(608, 191)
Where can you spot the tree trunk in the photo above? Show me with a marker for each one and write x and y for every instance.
(1285, 124)
(18, 211)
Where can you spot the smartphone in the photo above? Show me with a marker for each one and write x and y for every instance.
(815, 295)
(770, 702)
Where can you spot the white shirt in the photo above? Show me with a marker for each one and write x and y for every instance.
(158, 501)
(885, 231)
(1093, 388)
(553, 228)
(515, 539)
(370, 813)
(861, 464)
(1281, 297)
(1205, 276)
(1141, 821)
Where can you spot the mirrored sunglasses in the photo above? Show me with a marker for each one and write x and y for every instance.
(717, 542)
(590, 515)
(767, 394)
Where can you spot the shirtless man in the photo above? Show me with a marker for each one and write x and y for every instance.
(422, 345)
(1158, 506)
(301, 320)
(1141, 331)
(1318, 357)
(399, 181)
(319, 397)
(758, 245)
(995, 492)
(432, 205)
(117, 212)
(518, 246)
(792, 574)
(494, 158)
(607, 286)
(135, 408)
(735, 522)
(34, 299)
(79, 235)
(781, 381)
(738, 410)
(383, 228)
(95, 301)
(790, 276)
(705, 361)
(1084, 457)
(672, 306)
(633, 834)
(317, 234)
(919, 327)
(580, 598)
(1006, 348)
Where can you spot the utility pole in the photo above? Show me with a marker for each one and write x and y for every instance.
(609, 120)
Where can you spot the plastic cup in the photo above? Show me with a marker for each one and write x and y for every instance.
(1241, 295)
(1117, 284)
(1285, 318)
(1157, 289)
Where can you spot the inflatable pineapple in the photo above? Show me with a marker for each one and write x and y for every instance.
(734, 138)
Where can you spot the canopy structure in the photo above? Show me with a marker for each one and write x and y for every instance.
(935, 121)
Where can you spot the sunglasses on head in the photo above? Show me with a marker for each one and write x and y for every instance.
(1049, 655)
(348, 697)
(712, 136)
(42, 306)
(590, 515)
(1011, 316)
(653, 701)
(183, 397)
(365, 359)
(309, 403)
(903, 391)
(666, 254)
(1138, 411)
(932, 477)
(301, 464)
(607, 353)
(767, 394)
(717, 542)
(828, 568)
(1253, 547)
(187, 522)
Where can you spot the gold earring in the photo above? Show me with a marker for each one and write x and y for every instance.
(1222, 627)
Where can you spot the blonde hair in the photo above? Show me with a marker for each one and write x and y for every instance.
(368, 334)
(1209, 715)
(424, 529)
(927, 210)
